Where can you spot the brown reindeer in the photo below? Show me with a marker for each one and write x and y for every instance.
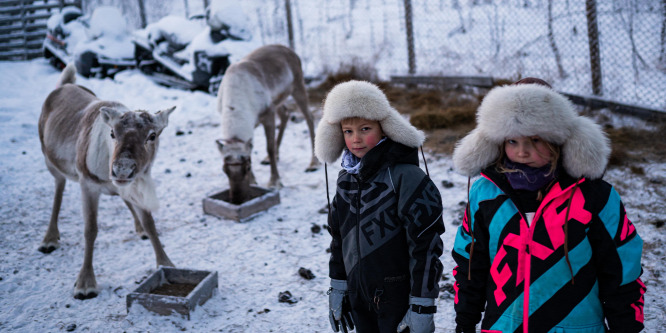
(252, 92)
(107, 149)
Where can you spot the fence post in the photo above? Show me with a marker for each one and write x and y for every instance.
(290, 29)
(142, 13)
(662, 51)
(593, 40)
(410, 36)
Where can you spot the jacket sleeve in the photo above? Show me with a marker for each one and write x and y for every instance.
(420, 208)
(617, 254)
(470, 252)
(336, 264)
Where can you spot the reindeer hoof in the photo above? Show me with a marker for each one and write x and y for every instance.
(85, 293)
(48, 248)
(82, 295)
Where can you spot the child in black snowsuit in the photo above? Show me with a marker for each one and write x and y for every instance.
(385, 219)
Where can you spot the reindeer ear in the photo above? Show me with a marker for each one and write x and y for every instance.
(110, 115)
(220, 144)
(162, 117)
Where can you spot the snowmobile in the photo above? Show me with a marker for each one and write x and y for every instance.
(99, 45)
(193, 53)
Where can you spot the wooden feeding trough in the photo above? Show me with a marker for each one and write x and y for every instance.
(218, 204)
(170, 290)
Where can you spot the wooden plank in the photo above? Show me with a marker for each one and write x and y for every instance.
(179, 275)
(478, 81)
(22, 51)
(13, 10)
(27, 3)
(487, 82)
(19, 55)
(25, 35)
(614, 106)
(21, 44)
(204, 290)
(27, 27)
(6, 20)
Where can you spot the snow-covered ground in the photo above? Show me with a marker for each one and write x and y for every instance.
(255, 260)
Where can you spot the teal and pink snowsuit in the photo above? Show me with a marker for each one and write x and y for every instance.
(519, 274)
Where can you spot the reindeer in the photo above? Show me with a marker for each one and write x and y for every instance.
(107, 149)
(252, 92)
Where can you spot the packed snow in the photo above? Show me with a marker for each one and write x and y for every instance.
(256, 260)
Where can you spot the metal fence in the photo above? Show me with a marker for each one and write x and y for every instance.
(609, 49)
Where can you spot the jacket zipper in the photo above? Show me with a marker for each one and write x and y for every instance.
(528, 268)
(528, 256)
(358, 238)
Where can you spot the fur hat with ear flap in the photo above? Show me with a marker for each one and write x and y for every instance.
(360, 99)
(528, 110)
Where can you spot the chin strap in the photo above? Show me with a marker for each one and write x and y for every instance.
(471, 231)
(424, 162)
(566, 231)
(328, 198)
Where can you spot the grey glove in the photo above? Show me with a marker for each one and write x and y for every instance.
(338, 305)
(419, 317)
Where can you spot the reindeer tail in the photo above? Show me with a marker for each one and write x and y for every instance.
(68, 75)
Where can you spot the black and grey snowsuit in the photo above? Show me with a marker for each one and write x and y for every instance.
(386, 223)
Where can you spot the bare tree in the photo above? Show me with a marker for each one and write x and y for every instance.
(629, 24)
(551, 39)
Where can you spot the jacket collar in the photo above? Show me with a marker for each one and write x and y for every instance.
(385, 154)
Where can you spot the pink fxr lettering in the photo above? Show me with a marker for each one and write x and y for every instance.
(456, 287)
(638, 306)
(627, 228)
(501, 277)
(555, 221)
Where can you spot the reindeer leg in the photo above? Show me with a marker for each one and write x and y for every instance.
(269, 129)
(50, 241)
(283, 112)
(149, 227)
(301, 97)
(250, 177)
(137, 222)
(86, 285)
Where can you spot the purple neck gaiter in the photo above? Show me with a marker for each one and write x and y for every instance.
(526, 177)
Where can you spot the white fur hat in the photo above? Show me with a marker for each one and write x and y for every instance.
(527, 110)
(363, 100)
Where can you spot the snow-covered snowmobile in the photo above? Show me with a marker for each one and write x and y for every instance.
(193, 53)
(99, 45)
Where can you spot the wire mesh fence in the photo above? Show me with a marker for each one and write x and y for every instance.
(611, 49)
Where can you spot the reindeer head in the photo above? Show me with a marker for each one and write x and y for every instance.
(135, 135)
(237, 158)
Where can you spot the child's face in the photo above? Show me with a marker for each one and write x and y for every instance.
(361, 135)
(529, 150)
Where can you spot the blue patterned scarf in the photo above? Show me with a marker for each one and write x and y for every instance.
(350, 162)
